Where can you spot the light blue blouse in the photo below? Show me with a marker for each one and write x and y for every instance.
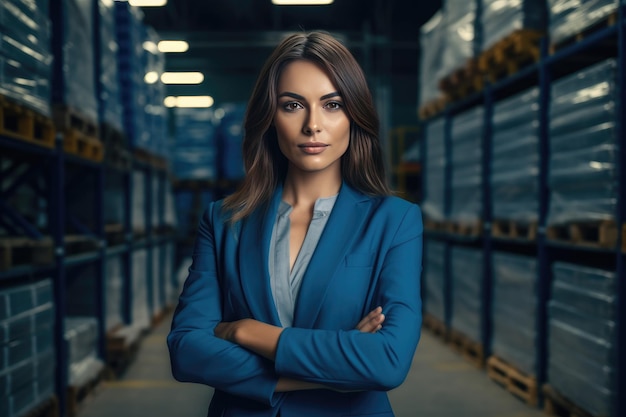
(286, 284)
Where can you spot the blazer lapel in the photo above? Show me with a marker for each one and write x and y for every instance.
(347, 217)
(256, 233)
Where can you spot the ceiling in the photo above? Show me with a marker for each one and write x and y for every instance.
(230, 39)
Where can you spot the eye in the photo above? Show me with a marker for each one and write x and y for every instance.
(334, 105)
(291, 106)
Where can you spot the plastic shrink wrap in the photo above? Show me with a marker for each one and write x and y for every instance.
(434, 270)
(433, 205)
(467, 291)
(500, 18)
(568, 18)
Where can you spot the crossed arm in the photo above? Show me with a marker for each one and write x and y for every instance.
(262, 338)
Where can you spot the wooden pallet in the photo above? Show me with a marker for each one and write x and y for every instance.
(76, 395)
(555, 404)
(21, 123)
(432, 108)
(462, 82)
(470, 349)
(122, 345)
(20, 251)
(47, 408)
(82, 145)
(76, 244)
(115, 234)
(436, 326)
(601, 233)
(69, 118)
(471, 229)
(150, 159)
(436, 226)
(513, 380)
(509, 55)
(512, 229)
(608, 21)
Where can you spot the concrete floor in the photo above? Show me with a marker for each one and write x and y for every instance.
(441, 384)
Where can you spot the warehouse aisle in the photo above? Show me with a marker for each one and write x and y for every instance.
(440, 384)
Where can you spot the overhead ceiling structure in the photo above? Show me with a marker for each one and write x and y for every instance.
(230, 39)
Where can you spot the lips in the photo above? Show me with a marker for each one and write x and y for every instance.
(313, 147)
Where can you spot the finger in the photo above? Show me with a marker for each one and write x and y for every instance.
(371, 326)
(372, 314)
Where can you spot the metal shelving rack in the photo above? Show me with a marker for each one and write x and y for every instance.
(542, 74)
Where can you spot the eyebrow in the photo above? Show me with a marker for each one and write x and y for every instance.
(299, 97)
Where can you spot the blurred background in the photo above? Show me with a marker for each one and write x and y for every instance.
(120, 121)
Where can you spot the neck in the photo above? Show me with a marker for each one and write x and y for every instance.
(304, 190)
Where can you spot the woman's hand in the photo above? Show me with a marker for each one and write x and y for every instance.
(373, 322)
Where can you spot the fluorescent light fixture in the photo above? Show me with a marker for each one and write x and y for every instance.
(182, 77)
(173, 46)
(188, 101)
(150, 47)
(147, 3)
(301, 2)
(151, 77)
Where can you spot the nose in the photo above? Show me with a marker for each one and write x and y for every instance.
(312, 123)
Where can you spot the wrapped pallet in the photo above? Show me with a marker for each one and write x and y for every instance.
(109, 99)
(569, 18)
(27, 353)
(194, 148)
(460, 42)
(582, 337)
(81, 335)
(114, 287)
(433, 205)
(140, 306)
(500, 18)
(434, 276)
(467, 291)
(432, 37)
(514, 310)
(515, 158)
(26, 53)
(466, 194)
(584, 146)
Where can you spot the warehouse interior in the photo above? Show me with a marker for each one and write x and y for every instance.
(503, 119)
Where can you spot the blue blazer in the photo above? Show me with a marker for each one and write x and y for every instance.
(368, 255)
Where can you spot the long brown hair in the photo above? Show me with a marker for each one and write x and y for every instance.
(362, 165)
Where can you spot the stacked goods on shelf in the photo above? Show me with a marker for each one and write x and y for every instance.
(155, 111)
(433, 205)
(138, 220)
(583, 157)
(109, 97)
(130, 58)
(26, 54)
(194, 147)
(434, 274)
(460, 44)
(511, 32)
(74, 87)
(568, 19)
(140, 311)
(582, 338)
(158, 285)
(194, 165)
(81, 335)
(114, 290)
(169, 282)
(432, 33)
(515, 165)
(466, 194)
(27, 368)
(467, 291)
(230, 137)
(514, 310)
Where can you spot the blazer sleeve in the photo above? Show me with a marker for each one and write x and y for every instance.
(196, 354)
(354, 360)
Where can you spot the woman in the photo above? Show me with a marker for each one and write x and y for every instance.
(303, 296)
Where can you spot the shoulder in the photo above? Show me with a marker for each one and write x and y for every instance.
(400, 217)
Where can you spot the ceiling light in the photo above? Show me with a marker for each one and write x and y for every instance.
(188, 101)
(147, 3)
(301, 2)
(150, 47)
(151, 77)
(173, 46)
(182, 77)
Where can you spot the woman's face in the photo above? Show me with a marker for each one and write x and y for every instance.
(311, 123)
